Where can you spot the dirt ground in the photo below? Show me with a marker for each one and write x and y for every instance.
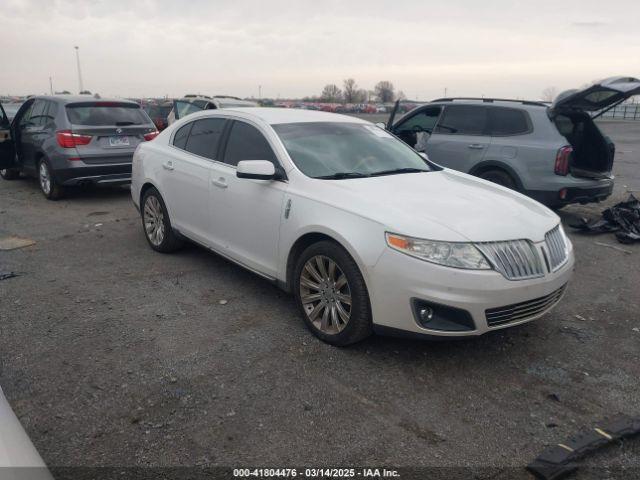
(115, 355)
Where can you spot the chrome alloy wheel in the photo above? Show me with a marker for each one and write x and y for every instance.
(325, 294)
(45, 178)
(154, 220)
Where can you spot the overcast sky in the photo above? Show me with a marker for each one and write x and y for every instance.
(293, 48)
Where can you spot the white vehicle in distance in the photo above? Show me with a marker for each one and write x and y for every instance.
(196, 103)
(366, 233)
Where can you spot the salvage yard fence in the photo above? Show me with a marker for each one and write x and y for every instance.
(625, 111)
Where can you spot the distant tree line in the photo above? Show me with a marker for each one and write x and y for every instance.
(383, 92)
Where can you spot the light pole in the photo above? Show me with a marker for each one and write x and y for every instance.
(79, 72)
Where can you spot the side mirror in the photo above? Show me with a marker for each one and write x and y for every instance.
(256, 170)
(381, 125)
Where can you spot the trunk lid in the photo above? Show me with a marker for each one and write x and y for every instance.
(598, 96)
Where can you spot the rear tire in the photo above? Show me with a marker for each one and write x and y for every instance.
(48, 185)
(499, 177)
(10, 173)
(331, 294)
(156, 223)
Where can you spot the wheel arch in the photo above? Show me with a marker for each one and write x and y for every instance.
(309, 238)
(487, 165)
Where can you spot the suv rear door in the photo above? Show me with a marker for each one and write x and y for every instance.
(460, 139)
(601, 95)
(7, 148)
(111, 130)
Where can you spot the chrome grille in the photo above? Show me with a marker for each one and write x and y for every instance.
(557, 247)
(515, 259)
(523, 310)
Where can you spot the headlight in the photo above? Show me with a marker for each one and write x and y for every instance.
(450, 254)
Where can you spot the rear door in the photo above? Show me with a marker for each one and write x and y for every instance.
(186, 173)
(598, 96)
(460, 139)
(7, 148)
(108, 132)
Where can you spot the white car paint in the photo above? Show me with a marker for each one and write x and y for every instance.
(18, 457)
(257, 222)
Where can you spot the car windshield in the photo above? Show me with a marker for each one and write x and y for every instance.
(347, 150)
(106, 114)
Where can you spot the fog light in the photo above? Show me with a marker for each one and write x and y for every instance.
(426, 314)
(562, 194)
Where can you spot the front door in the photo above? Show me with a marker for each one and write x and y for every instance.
(246, 214)
(7, 149)
(460, 139)
(416, 128)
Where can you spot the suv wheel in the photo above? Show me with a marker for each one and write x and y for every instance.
(48, 185)
(331, 294)
(156, 224)
(500, 177)
(10, 173)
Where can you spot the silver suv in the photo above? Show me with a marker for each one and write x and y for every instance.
(554, 153)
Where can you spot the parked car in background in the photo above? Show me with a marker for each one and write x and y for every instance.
(555, 154)
(365, 232)
(68, 140)
(196, 103)
(18, 457)
(159, 113)
(10, 109)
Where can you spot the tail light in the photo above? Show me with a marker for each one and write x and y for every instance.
(562, 160)
(68, 139)
(151, 135)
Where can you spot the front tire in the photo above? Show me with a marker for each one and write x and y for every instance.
(48, 185)
(331, 294)
(156, 223)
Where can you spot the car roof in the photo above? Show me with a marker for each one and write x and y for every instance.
(503, 102)
(81, 98)
(274, 116)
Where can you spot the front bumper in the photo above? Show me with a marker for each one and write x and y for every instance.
(397, 280)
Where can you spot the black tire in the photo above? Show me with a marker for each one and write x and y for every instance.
(10, 173)
(359, 324)
(170, 241)
(500, 177)
(51, 190)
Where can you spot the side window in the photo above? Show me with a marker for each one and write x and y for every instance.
(205, 137)
(247, 143)
(38, 113)
(182, 108)
(50, 113)
(25, 116)
(423, 121)
(463, 120)
(508, 121)
(180, 137)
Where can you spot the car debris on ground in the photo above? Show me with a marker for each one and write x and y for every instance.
(559, 460)
(623, 219)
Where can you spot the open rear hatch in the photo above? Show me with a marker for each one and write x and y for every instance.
(573, 113)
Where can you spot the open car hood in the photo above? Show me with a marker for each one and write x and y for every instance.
(598, 96)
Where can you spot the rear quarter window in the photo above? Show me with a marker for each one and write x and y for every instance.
(106, 114)
(508, 121)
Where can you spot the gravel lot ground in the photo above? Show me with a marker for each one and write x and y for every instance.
(113, 354)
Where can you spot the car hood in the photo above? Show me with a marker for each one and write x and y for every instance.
(441, 205)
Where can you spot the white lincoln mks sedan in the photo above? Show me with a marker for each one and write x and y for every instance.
(366, 233)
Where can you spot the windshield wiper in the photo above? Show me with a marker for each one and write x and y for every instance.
(341, 175)
(396, 171)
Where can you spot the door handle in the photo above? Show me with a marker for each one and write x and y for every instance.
(476, 146)
(168, 165)
(220, 182)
